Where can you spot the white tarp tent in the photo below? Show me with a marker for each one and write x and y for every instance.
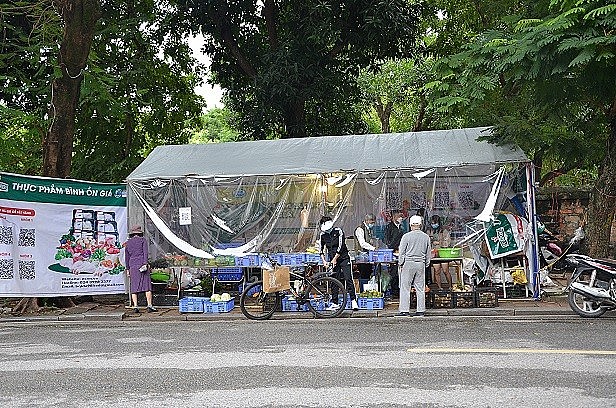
(268, 195)
(328, 154)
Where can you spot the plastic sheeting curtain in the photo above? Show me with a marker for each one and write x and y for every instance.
(281, 213)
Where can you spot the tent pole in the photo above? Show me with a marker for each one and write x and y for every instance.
(532, 217)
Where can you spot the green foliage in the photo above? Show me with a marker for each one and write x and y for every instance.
(545, 82)
(215, 126)
(138, 93)
(20, 142)
(289, 68)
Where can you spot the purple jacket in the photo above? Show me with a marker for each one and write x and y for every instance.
(136, 253)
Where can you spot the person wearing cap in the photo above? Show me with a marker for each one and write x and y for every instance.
(413, 259)
(136, 258)
(334, 253)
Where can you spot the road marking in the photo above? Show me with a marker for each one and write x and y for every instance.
(510, 351)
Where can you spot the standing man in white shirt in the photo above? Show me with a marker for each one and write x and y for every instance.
(363, 242)
(413, 259)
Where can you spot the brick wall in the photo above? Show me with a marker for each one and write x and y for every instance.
(564, 209)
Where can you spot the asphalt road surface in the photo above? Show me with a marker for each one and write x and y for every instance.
(387, 362)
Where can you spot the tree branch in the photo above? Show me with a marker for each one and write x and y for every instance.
(224, 27)
(269, 13)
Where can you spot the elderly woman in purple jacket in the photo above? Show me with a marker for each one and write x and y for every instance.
(136, 254)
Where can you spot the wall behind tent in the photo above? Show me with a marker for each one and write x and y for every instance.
(281, 213)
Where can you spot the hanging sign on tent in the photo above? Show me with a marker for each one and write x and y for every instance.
(60, 237)
(505, 235)
(185, 216)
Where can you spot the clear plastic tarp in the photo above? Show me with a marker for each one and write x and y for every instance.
(280, 213)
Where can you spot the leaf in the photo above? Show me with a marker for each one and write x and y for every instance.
(582, 58)
(601, 11)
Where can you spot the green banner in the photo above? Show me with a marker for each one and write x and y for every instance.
(60, 191)
(501, 238)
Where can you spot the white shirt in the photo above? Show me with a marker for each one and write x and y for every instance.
(359, 235)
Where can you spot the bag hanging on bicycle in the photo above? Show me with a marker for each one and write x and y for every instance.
(276, 280)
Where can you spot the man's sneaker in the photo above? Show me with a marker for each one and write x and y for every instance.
(354, 304)
(419, 314)
(402, 314)
(332, 307)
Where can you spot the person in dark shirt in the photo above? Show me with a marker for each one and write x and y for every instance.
(393, 234)
(334, 252)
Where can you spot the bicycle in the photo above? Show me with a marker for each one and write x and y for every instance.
(319, 291)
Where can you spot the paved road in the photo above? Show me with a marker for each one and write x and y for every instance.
(432, 362)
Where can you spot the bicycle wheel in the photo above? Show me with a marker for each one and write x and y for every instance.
(324, 292)
(256, 304)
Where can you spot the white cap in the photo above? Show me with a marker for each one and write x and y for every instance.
(415, 220)
(327, 225)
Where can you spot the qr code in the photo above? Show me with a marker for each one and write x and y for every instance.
(418, 199)
(466, 199)
(6, 235)
(27, 237)
(6, 269)
(27, 270)
(441, 199)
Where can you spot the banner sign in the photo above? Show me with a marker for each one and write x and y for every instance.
(61, 237)
(505, 235)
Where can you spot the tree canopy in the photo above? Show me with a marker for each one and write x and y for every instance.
(289, 67)
(554, 82)
(137, 89)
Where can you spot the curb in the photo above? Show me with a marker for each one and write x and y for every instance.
(211, 317)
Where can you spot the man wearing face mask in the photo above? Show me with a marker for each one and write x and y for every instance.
(364, 237)
(334, 253)
(393, 234)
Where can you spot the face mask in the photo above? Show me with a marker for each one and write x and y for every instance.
(371, 225)
(435, 226)
(399, 220)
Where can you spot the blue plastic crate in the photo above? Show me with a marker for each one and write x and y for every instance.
(278, 258)
(227, 274)
(192, 304)
(347, 305)
(253, 290)
(381, 255)
(227, 245)
(313, 258)
(290, 259)
(219, 307)
(248, 260)
(371, 303)
(290, 305)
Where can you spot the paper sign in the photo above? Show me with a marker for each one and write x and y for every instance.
(185, 216)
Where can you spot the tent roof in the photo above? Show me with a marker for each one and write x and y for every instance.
(327, 154)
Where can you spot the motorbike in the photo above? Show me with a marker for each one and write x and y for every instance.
(592, 288)
(551, 252)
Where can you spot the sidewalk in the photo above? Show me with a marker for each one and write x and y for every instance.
(109, 308)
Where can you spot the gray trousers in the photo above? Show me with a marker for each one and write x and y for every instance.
(412, 273)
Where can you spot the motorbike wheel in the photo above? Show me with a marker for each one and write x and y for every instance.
(585, 306)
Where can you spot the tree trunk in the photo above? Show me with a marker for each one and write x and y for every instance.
(79, 17)
(603, 199)
(419, 122)
(384, 113)
(27, 305)
(295, 119)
